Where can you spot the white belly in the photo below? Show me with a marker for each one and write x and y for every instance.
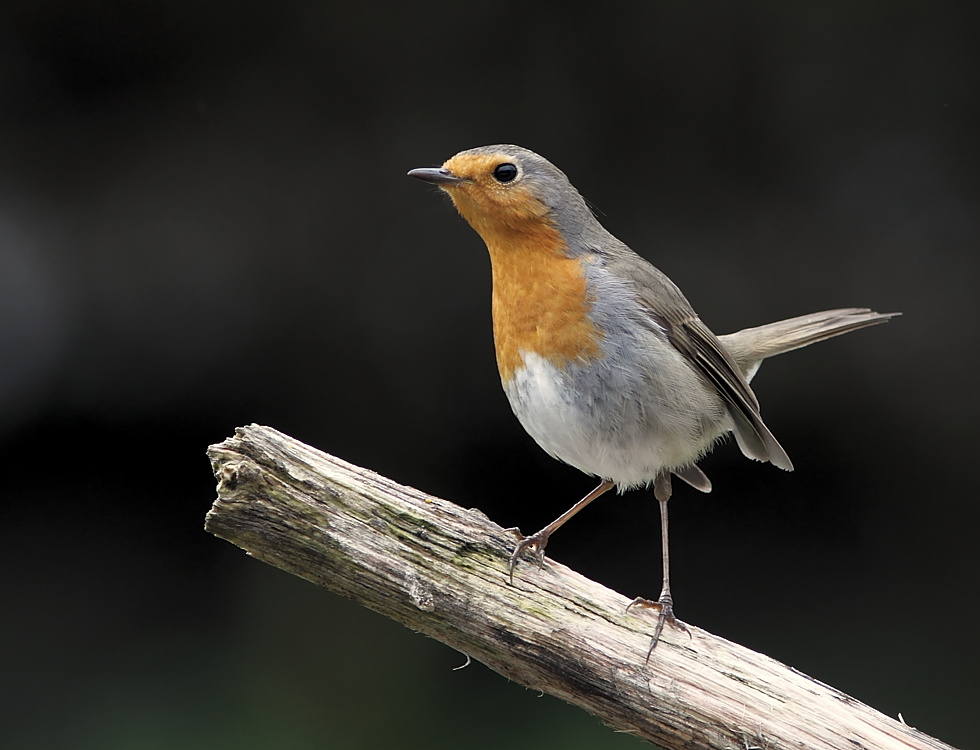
(624, 424)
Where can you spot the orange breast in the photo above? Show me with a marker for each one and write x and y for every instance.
(540, 300)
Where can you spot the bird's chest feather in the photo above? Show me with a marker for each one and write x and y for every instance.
(592, 387)
(541, 304)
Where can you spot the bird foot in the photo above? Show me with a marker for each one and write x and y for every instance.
(536, 543)
(665, 606)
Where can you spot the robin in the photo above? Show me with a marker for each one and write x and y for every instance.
(603, 359)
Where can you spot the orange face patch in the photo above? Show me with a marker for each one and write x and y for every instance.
(540, 302)
(482, 199)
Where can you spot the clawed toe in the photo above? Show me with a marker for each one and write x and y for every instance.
(665, 607)
(535, 542)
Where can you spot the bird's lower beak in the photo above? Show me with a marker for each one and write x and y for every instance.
(437, 176)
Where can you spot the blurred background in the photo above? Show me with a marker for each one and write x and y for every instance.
(205, 222)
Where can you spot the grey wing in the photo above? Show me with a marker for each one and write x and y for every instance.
(669, 308)
(711, 358)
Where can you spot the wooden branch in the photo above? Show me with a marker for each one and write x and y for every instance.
(442, 570)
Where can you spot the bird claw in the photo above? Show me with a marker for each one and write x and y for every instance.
(665, 607)
(536, 542)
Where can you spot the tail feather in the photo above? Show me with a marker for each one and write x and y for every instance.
(752, 345)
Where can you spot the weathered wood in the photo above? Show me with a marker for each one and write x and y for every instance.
(442, 570)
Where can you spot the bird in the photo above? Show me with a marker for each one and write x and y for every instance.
(602, 358)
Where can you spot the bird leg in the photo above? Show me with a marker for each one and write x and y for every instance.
(539, 541)
(665, 604)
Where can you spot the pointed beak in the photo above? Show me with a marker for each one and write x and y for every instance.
(437, 176)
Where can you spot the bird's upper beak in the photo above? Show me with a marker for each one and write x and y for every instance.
(437, 176)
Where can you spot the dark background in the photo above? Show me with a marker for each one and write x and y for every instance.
(205, 222)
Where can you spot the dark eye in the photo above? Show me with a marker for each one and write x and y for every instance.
(505, 172)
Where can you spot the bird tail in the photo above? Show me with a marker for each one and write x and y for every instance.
(752, 345)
